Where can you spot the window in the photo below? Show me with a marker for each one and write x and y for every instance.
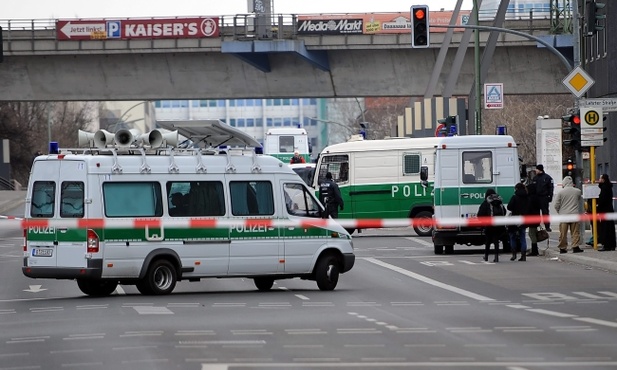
(338, 165)
(72, 199)
(286, 144)
(43, 199)
(250, 122)
(411, 164)
(299, 202)
(477, 167)
(251, 198)
(132, 199)
(195, 198)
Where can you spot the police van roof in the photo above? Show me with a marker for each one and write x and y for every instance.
(210, 132)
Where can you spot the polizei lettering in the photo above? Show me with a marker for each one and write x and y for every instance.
(331, 26)
(250, 228)
(42, 230)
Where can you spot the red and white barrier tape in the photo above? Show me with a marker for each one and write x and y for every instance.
(209, 223)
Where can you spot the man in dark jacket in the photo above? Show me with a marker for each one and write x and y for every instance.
(519, 206)
(330, 196)
(544, 190)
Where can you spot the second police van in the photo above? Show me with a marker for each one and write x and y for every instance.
(126, 177)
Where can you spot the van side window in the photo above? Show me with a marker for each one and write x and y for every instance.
(195, 198)
(132, 199)
(299, 202)
(411, 164)
(477, 167)
(43, 199)
(338, 165)
(251, 198)
(72, 199)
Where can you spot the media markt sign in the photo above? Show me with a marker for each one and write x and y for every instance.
(578, 81)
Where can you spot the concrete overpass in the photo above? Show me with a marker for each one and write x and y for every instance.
(38, 67)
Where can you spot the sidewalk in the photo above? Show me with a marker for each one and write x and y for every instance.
(592, 258)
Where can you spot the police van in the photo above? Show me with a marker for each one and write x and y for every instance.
(465, 168)
(122, 178)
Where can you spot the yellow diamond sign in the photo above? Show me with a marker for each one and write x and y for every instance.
(578, 82)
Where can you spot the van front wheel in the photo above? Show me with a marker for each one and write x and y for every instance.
(97, 288)
(327, 273)
(160, 279)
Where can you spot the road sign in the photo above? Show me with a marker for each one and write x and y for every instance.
(578, 81)
(591, 118)
(493, 96)
(607, 104)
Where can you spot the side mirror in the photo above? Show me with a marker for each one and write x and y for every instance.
(424, 176)
(523, 172)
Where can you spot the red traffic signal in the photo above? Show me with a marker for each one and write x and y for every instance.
(419, 26)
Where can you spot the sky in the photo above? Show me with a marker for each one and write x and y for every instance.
(53, 9)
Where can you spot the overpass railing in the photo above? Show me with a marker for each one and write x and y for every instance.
(26, 35)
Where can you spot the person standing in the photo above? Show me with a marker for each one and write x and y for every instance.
(490, 207)
(519, 206)
(330, 196)
(297, 158)
(544, 189)
(606, 228)
(567, 202)
(533, 210)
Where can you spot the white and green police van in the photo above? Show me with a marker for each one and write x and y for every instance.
(465, 168)
(380, 179)
(124, 177)
(282, 142)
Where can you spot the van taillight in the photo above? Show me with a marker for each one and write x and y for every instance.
(93, 242)
(25, 240)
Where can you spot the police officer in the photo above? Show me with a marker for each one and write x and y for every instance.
(330, 196)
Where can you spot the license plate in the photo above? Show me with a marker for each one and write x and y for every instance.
(42, 252)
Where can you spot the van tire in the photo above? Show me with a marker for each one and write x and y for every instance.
(423, 230)
(160, 279)
(263, 284)
(97, 288)
(438, 249)
(327, 272)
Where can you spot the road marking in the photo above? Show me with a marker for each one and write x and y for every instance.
(150, 310)
(427, 280)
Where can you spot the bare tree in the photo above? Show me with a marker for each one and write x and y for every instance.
(519, 116)
(27, 124)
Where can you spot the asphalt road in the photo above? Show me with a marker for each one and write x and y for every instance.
(400, 307)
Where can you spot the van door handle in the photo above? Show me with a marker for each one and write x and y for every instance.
(154, 237)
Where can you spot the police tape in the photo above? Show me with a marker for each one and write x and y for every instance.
(212, 223)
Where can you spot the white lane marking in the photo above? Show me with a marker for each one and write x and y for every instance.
(421, 241)
(150, 310)
(427, 280)
(302, 297)
(550, 313)
(436, 363)
(597, 321)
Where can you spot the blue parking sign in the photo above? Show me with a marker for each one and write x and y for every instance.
(113, 30)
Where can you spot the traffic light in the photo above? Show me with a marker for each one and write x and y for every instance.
(450, 124)
(595, 16)
(572, 128)
(419, 26)
(569, 168)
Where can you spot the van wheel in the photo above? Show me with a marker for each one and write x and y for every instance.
(326, 273)
(438, 249)
(263, 284)
(424, 230)
(97, 288)
(160, 279)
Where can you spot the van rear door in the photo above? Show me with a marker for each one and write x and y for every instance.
(57, 192)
